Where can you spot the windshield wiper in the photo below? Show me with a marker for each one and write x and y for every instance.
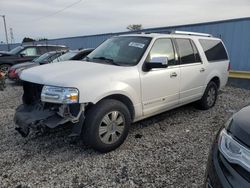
(109, 60)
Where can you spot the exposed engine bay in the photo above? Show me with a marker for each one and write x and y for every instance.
(38, 115)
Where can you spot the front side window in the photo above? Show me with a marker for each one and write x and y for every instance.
(29, 52)
(187, 51)
(123, 50)
(214, 50)
(162, 48)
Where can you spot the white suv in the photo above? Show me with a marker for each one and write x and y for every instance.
(126, 79)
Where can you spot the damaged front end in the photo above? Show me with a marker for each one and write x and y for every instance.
(38, 115)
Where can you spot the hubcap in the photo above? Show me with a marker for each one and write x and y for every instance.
(111, 127)
(211, 96)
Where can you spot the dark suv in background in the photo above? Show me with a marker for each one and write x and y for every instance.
(25, 53)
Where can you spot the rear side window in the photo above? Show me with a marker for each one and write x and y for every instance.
(187, 51)
(214, 50)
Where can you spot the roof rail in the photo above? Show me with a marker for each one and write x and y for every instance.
(191, 33)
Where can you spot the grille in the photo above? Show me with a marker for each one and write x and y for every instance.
(31, 92)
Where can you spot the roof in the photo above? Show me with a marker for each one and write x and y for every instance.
(178, 34)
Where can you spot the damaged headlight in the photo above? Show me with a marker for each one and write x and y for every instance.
(60, 95)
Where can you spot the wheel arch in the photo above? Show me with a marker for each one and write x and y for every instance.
(123, 99)
(216, 80)
(215, 76)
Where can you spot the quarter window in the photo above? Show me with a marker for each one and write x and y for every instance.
(162, 48)
(187, 51)
(214, 50)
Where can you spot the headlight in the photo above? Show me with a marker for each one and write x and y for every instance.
(59, 95)
(233, 151)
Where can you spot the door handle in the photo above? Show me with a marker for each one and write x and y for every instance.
(202, 70)
(173, 74)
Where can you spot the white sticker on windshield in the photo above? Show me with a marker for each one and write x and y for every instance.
(136, 44)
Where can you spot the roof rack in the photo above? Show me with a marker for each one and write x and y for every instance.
(191, 33)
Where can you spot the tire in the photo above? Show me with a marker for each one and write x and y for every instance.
(106, 125)
(209, 97)
(4, 68)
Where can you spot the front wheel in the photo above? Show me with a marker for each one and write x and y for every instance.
(209, 97)
(106, 125)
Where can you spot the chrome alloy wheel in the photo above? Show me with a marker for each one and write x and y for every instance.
(111, 127)
(211, 96)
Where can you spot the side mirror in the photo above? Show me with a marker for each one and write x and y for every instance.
(157, 62)
(22, 54)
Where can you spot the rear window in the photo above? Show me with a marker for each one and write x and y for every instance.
(214, 50)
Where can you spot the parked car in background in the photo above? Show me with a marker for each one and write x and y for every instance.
(15, 70)
(229, 159)
(126, 79)
(50, 57)
(74, 55)
(25, 53)
(2, 81)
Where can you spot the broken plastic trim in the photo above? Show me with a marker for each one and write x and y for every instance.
(36, 117)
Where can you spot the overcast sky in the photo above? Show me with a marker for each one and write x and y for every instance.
(40, 18)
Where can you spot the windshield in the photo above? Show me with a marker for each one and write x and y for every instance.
(41, 58)
(123, 50)
(65, 57)
(16, 50)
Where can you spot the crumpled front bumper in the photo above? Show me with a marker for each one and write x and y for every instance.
(36, 117)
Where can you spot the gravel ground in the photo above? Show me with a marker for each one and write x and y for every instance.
(168, 150)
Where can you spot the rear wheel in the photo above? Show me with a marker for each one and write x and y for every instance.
(209, 97)
(4, 68)
(106, 125)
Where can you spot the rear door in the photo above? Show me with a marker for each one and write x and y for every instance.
(192, 70)
(160, 86)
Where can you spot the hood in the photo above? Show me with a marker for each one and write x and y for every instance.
(72, 73)
(4, 54)
(240, 126)
(23, 65)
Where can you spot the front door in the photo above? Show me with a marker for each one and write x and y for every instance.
(160, 86)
